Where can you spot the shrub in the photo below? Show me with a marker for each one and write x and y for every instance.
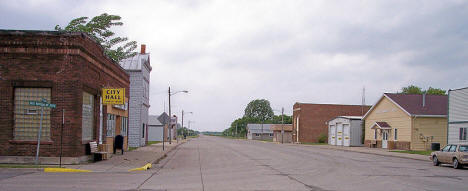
(323, 138)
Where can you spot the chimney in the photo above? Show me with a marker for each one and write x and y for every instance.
(424, 99)
(143, 49)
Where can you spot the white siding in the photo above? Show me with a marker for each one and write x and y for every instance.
(457, 114)
(355, 130)
(155, 133)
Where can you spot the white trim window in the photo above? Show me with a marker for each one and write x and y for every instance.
(124, 126)
(462, 134)
(395, 135)
(110, 125)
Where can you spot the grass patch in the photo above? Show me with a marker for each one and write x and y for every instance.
(25, 166)
(153, 142)
(132, 148)
(309, 143)
(427, 153)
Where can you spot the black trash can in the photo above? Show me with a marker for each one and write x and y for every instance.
(118, 143)
(435, 146)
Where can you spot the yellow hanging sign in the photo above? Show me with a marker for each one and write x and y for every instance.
(113, 96)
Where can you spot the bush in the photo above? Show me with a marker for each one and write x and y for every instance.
(323, 138)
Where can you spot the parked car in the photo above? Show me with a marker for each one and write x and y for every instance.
(457, 155)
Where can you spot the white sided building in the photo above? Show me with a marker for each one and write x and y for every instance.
(345, 131)
(457, 116)
(139, 68)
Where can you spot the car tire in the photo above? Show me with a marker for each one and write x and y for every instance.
(435, 161)
(456, 164)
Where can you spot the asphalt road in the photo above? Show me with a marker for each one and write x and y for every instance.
(213, 163)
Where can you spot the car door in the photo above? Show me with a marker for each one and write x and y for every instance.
(443, 154)
(451, 153)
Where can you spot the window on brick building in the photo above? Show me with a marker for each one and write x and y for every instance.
(87, 119)
(143, 131)
(110, 125)
(27, 117)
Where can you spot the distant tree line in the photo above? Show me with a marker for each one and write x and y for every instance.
(257, 111)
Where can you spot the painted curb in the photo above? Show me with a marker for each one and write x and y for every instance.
(146, 167)
(64, 170)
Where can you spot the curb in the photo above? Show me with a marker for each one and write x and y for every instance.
(146, 167)
(380, 154)
(167, 151)
(64, 170)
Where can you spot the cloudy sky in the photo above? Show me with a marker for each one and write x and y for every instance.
(227, 53)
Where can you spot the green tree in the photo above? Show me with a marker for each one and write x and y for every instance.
(259, 109)
(99, 28)
(412, 89)
(435, 91)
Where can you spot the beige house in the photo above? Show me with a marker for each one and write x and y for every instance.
(407, 121)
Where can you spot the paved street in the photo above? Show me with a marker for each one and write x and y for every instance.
(213, 163)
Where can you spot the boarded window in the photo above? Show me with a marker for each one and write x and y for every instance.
(87, 117)
(110, 125)
(463, 133)
(27, 117)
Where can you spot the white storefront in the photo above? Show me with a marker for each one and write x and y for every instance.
(345, 131)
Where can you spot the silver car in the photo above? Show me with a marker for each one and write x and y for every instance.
(457, 155)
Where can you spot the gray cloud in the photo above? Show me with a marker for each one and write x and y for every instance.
(227, 53)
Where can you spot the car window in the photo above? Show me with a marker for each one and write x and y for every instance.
(453, 148)
(463, 148)
(446, 148)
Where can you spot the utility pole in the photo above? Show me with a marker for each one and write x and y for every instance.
(182, 124)
(170, 117)
(236, 129)
(282, 124)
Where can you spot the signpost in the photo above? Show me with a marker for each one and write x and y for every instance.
(42, 104)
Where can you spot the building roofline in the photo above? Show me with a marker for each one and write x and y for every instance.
(457, 89)
(58, 33)
(330, 104)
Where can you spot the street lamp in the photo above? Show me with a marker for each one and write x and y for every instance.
(170, 114)
(183, 122)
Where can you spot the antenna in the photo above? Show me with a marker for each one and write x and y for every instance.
(363, 100)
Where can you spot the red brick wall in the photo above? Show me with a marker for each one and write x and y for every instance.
(313, 118)
(41, 60)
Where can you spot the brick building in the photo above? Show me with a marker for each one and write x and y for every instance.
(69, 70)
(310, 120)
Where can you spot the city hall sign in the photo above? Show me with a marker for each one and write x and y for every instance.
(113, 96)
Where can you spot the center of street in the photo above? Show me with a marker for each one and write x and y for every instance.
(213, 163)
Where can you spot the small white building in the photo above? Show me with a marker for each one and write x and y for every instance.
(345, 131)
(457, 116)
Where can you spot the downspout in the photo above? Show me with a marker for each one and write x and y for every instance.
(448, 116)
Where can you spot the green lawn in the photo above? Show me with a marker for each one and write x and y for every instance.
(428, 153)
(153, 142)
(132, 148)
(25, 166)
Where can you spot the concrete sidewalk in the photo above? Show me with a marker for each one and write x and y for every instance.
(376, 151)
(131, 159)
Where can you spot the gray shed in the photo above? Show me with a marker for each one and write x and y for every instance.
(345, 131)
(457, 116)
(259, 132)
